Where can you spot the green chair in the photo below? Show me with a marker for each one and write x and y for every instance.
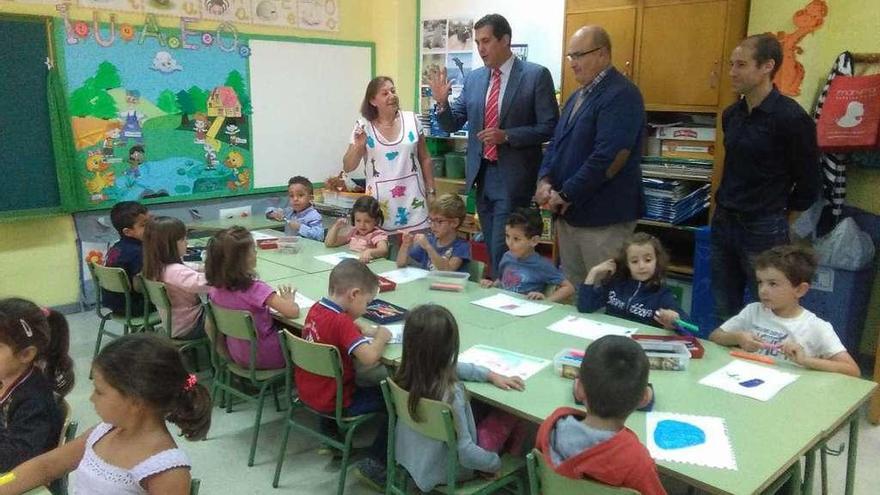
(240, 325)
(323, 360)
(194, 484)
(68, 433)
(110, 279)
(157, 294)
(476, 269)
(437, 423)
(543, 479)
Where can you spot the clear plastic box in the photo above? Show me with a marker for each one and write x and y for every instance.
(289, 245)
(452, 281)
(666, 356)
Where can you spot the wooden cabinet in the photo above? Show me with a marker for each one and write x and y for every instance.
(620, 22)
(681, 58)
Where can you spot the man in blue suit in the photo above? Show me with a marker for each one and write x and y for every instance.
(511, 109)
(591, 175)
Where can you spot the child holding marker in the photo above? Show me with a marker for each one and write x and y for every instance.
(631, 286)
(778, 325)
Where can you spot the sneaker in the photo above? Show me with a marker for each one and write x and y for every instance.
(372, 473)
(325, 449)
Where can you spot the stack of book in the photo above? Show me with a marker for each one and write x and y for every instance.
(674, 201)
(677, 168)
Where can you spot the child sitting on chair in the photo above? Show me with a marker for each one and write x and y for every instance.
(442, 249)
(595, 444)
(631, 286)
(363, 235)
(129, 218)
(778, 324)
(521, 269)
(332, 321)
(301, 217)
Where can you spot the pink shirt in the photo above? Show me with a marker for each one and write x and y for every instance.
(359, 243)
(183, 285)
(255, 300)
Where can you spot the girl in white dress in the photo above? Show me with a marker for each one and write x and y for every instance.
(398, 167)
(139, 383)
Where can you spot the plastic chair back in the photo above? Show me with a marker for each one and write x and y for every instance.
(236, 323)
(433, 415)
(111, 279)
(553, 483)
(194, 484)
(157, 294)
(320, 359)
(476, 269)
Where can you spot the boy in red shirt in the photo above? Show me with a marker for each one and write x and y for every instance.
(595, 444)
(331, 321)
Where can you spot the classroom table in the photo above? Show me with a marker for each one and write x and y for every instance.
(305, 260)
(768, 438)
(268, 271)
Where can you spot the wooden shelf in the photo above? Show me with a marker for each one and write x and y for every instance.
(673, 176)
(447, 180)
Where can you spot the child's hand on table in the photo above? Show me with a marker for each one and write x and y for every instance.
(294, 225)
(287, 292)
(666, 317)
(486, 283)
(421, 240)
(506, 382)
(375, 331)
(365, 257)
(794, 352)
(276, 215)
(748, 341)
(535, 296)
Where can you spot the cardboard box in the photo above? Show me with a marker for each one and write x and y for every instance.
(687, 133)
(674, 148)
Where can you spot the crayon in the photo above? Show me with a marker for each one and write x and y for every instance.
(7, 478)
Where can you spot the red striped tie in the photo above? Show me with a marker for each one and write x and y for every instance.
(490, 118)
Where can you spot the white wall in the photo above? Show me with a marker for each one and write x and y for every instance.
(538, 23)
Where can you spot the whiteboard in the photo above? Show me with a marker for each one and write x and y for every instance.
(305, 99)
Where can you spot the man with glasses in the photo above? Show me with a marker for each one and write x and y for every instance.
(590, 177)
(511, 109)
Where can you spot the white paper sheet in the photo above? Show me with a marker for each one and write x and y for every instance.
(502, 361)
(511, 305)
(404, 275)
(715, 451)
(335, 258)
(589, 329)
(305, 302)
(748, 379)
(396, 330)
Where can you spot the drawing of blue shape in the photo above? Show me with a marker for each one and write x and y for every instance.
(672, 434)
(370, 142)
(402, 216)
(754, 382)
(412, 136)
(391, 155)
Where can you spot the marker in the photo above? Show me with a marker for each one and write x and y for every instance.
(753, 357)
(7, 478)
(687, 326)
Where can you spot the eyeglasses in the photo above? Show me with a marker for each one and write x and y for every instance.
(576, 55)
(438, 221)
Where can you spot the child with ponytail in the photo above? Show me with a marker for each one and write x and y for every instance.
(35, 374)
(140, 382)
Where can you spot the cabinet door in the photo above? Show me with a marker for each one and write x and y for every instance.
(680, 58)
(621, 26)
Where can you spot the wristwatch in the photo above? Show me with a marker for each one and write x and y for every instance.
(564, 196)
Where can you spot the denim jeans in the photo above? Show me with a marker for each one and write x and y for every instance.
(736, 239)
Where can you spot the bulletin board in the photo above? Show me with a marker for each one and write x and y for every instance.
(184, 114)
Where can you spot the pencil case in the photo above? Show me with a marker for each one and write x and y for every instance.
(385, 285)
(567, 363)
(692, 343)
(383, 312)
(666, 356)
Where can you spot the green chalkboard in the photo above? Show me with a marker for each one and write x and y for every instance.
(29, 179)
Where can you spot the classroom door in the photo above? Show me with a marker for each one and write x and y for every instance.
(668, 77)
(620, 22)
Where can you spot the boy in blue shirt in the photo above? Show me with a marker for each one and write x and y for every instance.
(302, 218)
(442, 249)
(129, 219)
(522, 269)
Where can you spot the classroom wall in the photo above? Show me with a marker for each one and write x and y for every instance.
(38, 257)
(850, 25)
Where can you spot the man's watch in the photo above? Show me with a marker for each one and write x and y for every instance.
(431, 191)
(564, 196)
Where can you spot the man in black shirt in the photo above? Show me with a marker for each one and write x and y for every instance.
(771, 172)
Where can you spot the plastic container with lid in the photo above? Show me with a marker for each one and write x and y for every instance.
(666, 356)
(289, 245)
(451, 281)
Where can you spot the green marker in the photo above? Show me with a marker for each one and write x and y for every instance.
(687, 327)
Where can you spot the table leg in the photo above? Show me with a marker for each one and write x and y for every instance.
(809, 471)
(852, 454)
(823, 461)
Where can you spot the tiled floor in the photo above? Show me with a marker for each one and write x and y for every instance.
(221, 460)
